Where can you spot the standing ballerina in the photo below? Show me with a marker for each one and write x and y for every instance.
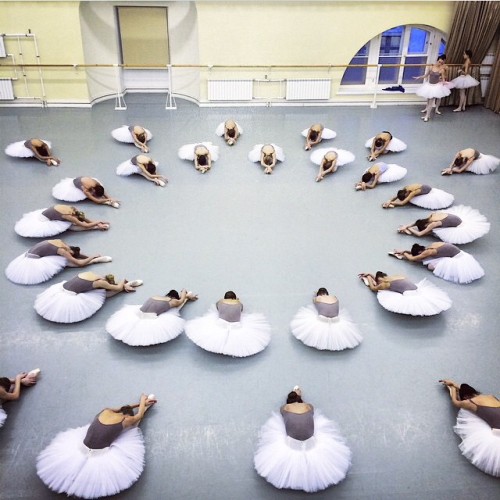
(155, 322)
(315, 134)
(379, 173)
(33, 148)
(464, 81)
(142, 165)
(478, 425)
(267, 155)
(230, 130)
(133, 134)
(225, 329)
(82, 188)
(325, 326)
(434, 88)
(301, 449)
(45, 259)
(400, 295)
(99, 459)
(382, 144)
(202, 155)
(471, 160)
(329, 159)
(421, 195)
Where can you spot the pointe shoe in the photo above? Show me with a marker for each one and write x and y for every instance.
(438, 112)
(151, 398)
(296, 388)
(115, 204)
(34, 373)
(423, 111)
(54, 163)
(135, 283)
(103, 258)
(456, 110)
(425, 119)
(364, 279)
(398, 256)
(161, 183)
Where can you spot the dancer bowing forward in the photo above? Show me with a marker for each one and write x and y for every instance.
(421, 195)
(142, 165)
(315, 134)
(267, 155)
(329, 159)
(201, 154)
(133, 134)
(384, 143)
(81, 188)
(230, 130)
(379, 173)
(33, 148)
(471, 160)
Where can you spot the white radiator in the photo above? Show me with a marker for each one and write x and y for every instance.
(313, 89)
(230, 90)
(6, 89)
(2, 48)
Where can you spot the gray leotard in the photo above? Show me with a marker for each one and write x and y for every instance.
(155, 306)
(451, 221)
(101, 435)
(425, 189)
(477, 154)
(78, 285)
(446, 250)
(77, 181)
(327, 310)
(52, 214)
(490, 414)
(434, 77)
(229, 312)
(299, 426)
(42, 249)
(402, 286)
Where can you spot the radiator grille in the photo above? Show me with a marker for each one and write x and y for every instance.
(230, 90)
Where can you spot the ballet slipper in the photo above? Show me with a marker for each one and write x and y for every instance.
(161, 183)
(34, 373)
(426, 119)
(365, 280)
(103, 258)
(115, 204)
(438, 112)
(456, 110)
(135, 283)
(396, 255)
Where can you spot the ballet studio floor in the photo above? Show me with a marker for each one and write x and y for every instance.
(274, 240)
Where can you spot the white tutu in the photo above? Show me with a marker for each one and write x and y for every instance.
(123, 134)
(433, 90)
(393, 173)
(473, 226)
(19, 150)
(240, 339)
(462, 268)
(480, 444)
(65, 190)
(434, 200)
(311, 465)
(3, 416)
(426, 300)
(395, 145)
(343, 156)
(325, 134)
(485, 164)
(186, 152)
(35, 225)
(254, 155)
(127, 168)
(133, 327)
(66, 465)
(63, 306)
(221, 129)
(320, 332)
(464, 82)
(25, 270)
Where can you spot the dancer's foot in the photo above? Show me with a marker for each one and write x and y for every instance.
(135, 283)
(438, 112)
(456, 110)
(103, 258)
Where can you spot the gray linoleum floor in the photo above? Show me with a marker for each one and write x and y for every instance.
(274, 240)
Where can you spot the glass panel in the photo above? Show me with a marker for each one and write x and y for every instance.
(419, 40)
(410, 72)
(357, 76)
(390, 41)
(442, 47)
(389, 75)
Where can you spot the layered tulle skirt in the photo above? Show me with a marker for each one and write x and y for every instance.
(244, 338)
(480, 443)
(434, 200)
(127, 168)
(312, 465)
(473, 226)
(433, 90)
(133, 327)
(320, 332)
(123, 134)
(392, 174)
(326, 133)
(65, 190)
(186, 152)
(25, 270)
(19, 150)
(3, 416)
(343, 156)
(63, 306)
(464, 82)
(36, 225)
(462, 268)
(426, 300)
(254, 155)
(395, 145)
(68, 466)
(485, 164)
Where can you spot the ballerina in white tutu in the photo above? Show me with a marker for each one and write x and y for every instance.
(301, 449)
(80, 297)
(47, 258)
(202, 155)
(324, 325)
(133, 134)
(54, 220)
(230, 130)
(99, 459)
(421, 195)
(464, 81)
(155, 322)
(315, 134)
(142, 165)
(382, 144)
(33, 148)
(400, 295)
(267, 155)
(225, 329)
(379, 173)
(83, 188)
(478, 425)
(458, 225)
(329, 159)
(471, 160)
(10, 389)
(445, 260)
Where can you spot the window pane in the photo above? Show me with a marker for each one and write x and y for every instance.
(419, 40)
(412, 71)
(442, 47)
(355, 76)
(390, 42)
(388, 75)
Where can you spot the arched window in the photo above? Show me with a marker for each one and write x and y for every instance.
(399, 45)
